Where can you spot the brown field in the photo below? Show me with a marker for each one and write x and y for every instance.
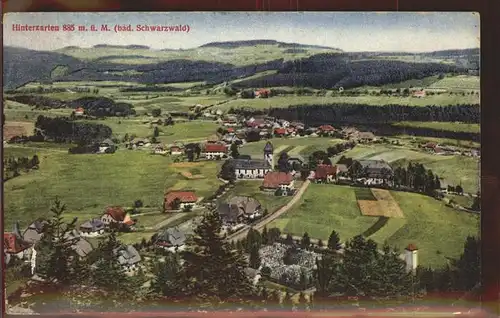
(189, 175)
(17, 128)
(384, 206)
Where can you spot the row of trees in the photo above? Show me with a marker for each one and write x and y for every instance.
(62, 129)
(14, 166)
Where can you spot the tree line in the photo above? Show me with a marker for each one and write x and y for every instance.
(62, 129)
(14, 166)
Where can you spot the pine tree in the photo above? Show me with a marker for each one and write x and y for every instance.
(253, 239)
(468, 265)
(255, 260)
(167, 280)
(55, 249)
(306, 241)
(391, 278)
(334, 241)
(108, 274)
(265, 236)
(213, 272)
(359, 265)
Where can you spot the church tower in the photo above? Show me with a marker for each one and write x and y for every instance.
(268, 154)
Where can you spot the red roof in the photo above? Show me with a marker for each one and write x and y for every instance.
(215, 148)
(230, 129)
(326, 128)
(79, 110)
(12, 243)
(175, 148)
(322, 171)
(116, 212)
(183, 196)
(430, 145)
(411, 247)
(275, 179)
(280, 131)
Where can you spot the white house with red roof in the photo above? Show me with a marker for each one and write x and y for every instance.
(215, 151)
(277, 180)
(179, 200)
(79, 111)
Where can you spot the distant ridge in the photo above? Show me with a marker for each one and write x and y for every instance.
(131, 46)
(234, 44)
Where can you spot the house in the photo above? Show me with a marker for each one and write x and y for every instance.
(430, 145)
(341, 172)
(325, 173)
(34, 232)
(160, 150)
(366, 136)
(230, 130)
(262, 93)
(215, 151)
(230, 139)
(107, 146)
(140, 142)
(16, 246)
(251, 168)
(79, 111)
(179, 200)
(92, 228)
(171, 239)
(176, 150)
(326, 129)
(128, 257)
(280, 132)
(81, 246)
(375, 172)
(419, 94)
(116, 214)
(239, 208)
(278, 181)
(230, 123)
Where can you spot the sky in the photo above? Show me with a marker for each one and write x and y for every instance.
(349, 31)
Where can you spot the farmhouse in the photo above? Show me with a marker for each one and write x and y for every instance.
(79, 111)
(215, 151)
(366, 136)
(325, 173)
(341, 172)
(230, 123)
(176, 150)
(92, 228)
(262, 93)
(34, 232)
(419, 94)
(81, 246)
(278, 181)
(280, 132)
(128, 257)
(171, 239)
(160, 150)
(240, 208)
(326, 129)
(375, 172)
(116, 214)
(179, 200)
(107, 146)
(139, 142)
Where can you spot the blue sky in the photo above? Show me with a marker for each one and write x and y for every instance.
(349, 31)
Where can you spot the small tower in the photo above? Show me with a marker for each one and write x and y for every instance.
(268, 154)
(411, 257)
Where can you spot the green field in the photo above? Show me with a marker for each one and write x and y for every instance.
(453, 169)
(89, 183)
(458, 82)
(448, 126)
(285, 101)
(437, 230)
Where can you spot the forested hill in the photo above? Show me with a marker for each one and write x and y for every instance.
(235, 44)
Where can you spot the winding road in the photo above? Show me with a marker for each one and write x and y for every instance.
(260, 225)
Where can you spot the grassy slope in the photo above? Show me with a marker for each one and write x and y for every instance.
(449, 126)
(438, 231)
(89, 183)
(305, 146)
(458, 82)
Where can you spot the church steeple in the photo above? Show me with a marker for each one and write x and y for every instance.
(268, 148)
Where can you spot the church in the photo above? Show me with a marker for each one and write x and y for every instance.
(255, 168)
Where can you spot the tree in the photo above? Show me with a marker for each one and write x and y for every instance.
(334, 241)
(283, 163)
(35, 161)
(167, 276)
(274, 235)
(459, 189)
(289, 239)
(476, 205)
(227, 171)
(55, 249)
(355, 171)
(320, 243)
(138, 204)
(253, 239)
(156, 112)
(305, 241)
(254, 261)
(265, 272)
(156, 132)
(391, 278)
(213, 271)
(234, 151)
(468, 266)
(265, 236)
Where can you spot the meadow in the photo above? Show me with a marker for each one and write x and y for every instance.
(438, 231)
(465, 82)
(448, 126)
(453, 170)
(87, 184)
(285, 101)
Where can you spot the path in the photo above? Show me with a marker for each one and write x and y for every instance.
(260, 225)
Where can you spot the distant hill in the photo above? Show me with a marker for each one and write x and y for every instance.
(235, 44)
(130, 47)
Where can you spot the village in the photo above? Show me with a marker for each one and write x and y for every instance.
(277, 173)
